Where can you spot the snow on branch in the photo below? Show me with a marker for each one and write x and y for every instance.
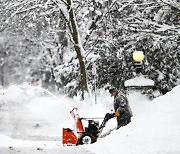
(18, 4)
(171, 4)
(19, 8)
(159, 27)
(124, 6)
(12, 15)
(28, 9)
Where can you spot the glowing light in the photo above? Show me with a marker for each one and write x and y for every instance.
(138, 56)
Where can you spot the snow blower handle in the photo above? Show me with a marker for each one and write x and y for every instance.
(75, 108)
(106, 118)
(109, 116)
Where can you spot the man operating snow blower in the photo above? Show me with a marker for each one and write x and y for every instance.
(122, 109)
(90, 134)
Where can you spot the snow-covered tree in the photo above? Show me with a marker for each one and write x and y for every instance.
(148, 26)
(38, 19)
(67, 37)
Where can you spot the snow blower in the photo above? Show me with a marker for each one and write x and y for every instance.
(83, 135)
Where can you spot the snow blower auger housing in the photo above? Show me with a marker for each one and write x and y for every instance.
(81, 135)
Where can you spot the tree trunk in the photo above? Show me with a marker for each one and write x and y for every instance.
(2, 75)
(77, 46)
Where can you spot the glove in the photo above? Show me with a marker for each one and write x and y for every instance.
(116, 114)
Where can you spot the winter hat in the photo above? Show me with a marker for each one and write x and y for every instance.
(112, 89)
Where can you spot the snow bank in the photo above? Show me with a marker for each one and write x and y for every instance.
(154, 128)
(139, 81)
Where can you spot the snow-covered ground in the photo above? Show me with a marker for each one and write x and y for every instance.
(31, 121)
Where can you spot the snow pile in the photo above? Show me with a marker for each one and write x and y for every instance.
(154, 128)
(139, 81)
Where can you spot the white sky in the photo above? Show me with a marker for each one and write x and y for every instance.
(32, 117)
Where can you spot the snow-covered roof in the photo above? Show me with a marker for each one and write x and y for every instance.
(139, 81)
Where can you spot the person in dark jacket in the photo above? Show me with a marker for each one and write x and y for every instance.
(122, 109)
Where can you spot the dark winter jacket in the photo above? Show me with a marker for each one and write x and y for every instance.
(121, 105)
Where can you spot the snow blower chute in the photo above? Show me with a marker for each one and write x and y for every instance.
(83, 135)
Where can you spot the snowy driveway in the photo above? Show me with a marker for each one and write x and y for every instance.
(23, 132)
(31, 122)
(72, 150)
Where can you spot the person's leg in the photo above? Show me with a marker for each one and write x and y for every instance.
(119, 123)
(123, 122)
(127, 121)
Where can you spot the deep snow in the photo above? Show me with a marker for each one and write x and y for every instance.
(31, 117)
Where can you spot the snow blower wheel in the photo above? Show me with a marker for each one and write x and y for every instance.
(86, 139)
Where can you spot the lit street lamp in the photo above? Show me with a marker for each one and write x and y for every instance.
(140, 83)
(138, 57)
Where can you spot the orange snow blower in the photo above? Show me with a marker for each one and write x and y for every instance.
(80, 135)
(83, 135)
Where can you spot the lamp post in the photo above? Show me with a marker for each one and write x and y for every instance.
(94, 73)
(138, 57)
